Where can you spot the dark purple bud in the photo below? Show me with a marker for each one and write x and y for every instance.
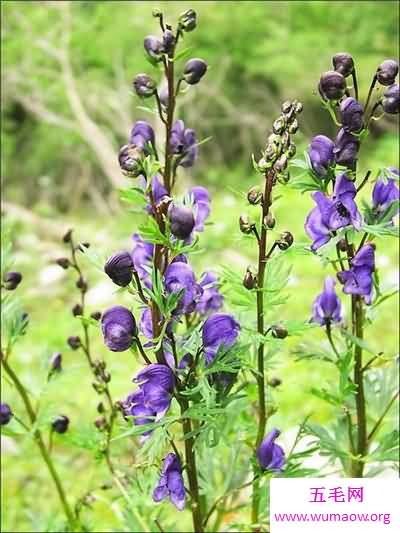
(287, 107)
(82, 284)
(187, 20)
(327, 307)
(346, 148)
(351, 113)
(391, 100)
(281, 164)
(96, 315)
(63, 262)
(269, 221)
(100, 423)
(168, 42)
(342, 245)
(332, 85)
(321, 154)
(170, 484)
(144, 86)
(74, 342)
(67, 236)
(271, 456)
(249, 280)
(153, 47)
(119, 268)
(343, 63)
(279, 125)
(285, 241)
(119, 328)
(60, 424)
(275, 382)
(77, 310)
(5, 414)
(182, 221)
(387, 72)
(56, 362)
(244, 224)
(12, 280)
(279, 332)
(254, 196)
(130, 160)
(194, 71)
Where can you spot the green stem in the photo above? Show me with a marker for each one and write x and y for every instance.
(73, 525)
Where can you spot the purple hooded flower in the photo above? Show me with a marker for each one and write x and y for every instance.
(119, 328)
(358, 279)
(153, 398)
(5, 414)
(346, 148)
(321, 154)
(327, 306)
(119, 268)
(391, 100)
(182, 221)
(183, 144)
(142, 135)
(201, 204)
(384, 194)
(211, 300)
(153, 47)
(142, 256)
(271, 456)
(180, 277)
(220, 331)
(194, 70)
(351, 112)
(333, 213)
(171, 483)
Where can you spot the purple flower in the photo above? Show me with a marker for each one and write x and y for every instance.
(358, 279)
(346, 148)
(351, 113)
(211, 300)
(321, 154)
(142, 257)
(60, 424)
(5, 414)
(194, 70)
(142, 135)
(171, 483)
(333, 213)
(146, 324)
(327, 306)
(182, 221)
(119, 268)
(180, 277)
(158, 191)
(220, 332)
(144, 86)
(387, 72)
(153, 398)
(384, 194)
(391, 100)
(130, 160)
(201, 204)
(183, 144)
(153, 47)
(119, 328)
(56, 362)
(12, 280)
(271, 456)
(332, 85)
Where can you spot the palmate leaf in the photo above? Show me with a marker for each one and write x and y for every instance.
(134, 197)
(151, 232)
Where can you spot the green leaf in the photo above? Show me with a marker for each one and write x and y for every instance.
(133, 196)
(359, 342)
(151, 232)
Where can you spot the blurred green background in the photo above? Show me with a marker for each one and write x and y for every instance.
(67, 106)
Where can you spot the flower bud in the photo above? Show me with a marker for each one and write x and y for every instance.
(187, 20)
(254, 196)
(269, 220)
(63, 262)
(279, 125)
(168, 42)
(153, 47)
(279, 332)
(249, 280)
(67, 236)
(391, 100)
(332, 85)
(81, 284)
(285, 140)
(74, 342)
(194, 71)
(130, 160)
(96, 315)
(286, 107)
(343, 63)
(182, 221)
(156, 12)
(107, 377)
(60, 424)
(275, 382)
(387, 72)
(285, 241)
(298, 106)
(77, 310)
(244, 224)
(281, 164)
(5, 414)
(100, 408)
(56, 362)
(342, 245)
(144, 86)
(271, 152)
(100, 423)
(119, 268)
(293, 126)
(291, 151)
(351, 113)
(12, 280)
